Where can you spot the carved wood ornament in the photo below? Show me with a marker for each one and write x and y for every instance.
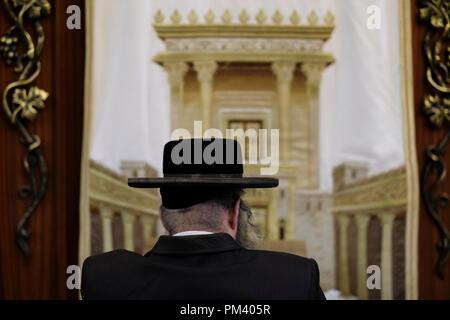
(22, 101)
(437, 108)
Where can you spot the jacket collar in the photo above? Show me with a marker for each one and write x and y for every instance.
(216, 242)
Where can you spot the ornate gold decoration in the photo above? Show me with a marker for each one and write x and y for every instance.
(313, 19)
(205, 70)
(385, 190)
(295, 18)
(28, 103)
(244, 29)
(227, 17)
(159, 17)
(244, 45)
(176, 17)
(244, 17)
(283, 70)
(243, 41)
(210, 17)
(313, 72)
(176, 72)
(329, 19)
(261, 17)
(22, 103)
(437, 107)
(192, 17)
(277, 17)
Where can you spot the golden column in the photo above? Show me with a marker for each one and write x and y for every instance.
(291, 211)
(106, 213)
(128, 227)
(148, 224)
(362, 222)
(176, 72)
(272, 220)
(387, 222)
(344, 280)
(284, 70)
(205, 74)
(313, 73)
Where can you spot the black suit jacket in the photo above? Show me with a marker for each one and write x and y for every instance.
(204, 267)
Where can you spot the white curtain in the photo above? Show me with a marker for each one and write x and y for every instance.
(360, 95)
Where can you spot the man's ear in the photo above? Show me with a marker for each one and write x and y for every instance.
(233, 216)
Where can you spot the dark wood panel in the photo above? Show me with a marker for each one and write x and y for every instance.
(54, 240)
(430, 285)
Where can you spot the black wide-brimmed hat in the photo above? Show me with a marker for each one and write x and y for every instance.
(206, 163)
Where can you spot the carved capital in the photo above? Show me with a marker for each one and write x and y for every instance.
(176, 72)
(148, 220)
(362, 220)
(313, 72)
(344, 220)
(387, 217)
(284, 70)
(106, 212)
(205, 70)
(128, 217)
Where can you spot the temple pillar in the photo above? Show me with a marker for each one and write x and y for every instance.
(205, 74)
(148, 224)
(107, 213)
(128, 224)
(272, 219)
(176, 72)
(344, 280)
(387, 222)
(362, 222)
(284, 71)
(313, 73)
(290, 221)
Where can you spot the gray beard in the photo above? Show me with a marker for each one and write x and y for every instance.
(248, 234)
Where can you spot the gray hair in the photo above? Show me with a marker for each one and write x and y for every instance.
(209, 216)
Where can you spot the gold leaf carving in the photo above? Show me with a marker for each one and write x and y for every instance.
(329, 19)
(385, 187)
(28, 103)
(277, 17)
(313, 19)
(261, 17)
(176, 17)
(227, 17)
(192, 17)
(295, 18)
(244, 17)
(210, 17)
(437, 110)
(159, 17)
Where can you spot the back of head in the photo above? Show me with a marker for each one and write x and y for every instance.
(211, 215)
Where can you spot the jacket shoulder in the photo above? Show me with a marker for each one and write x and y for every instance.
(285, 258)
(102, 275)
(295, 273)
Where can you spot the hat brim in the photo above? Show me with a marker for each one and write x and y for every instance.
(244, 182)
